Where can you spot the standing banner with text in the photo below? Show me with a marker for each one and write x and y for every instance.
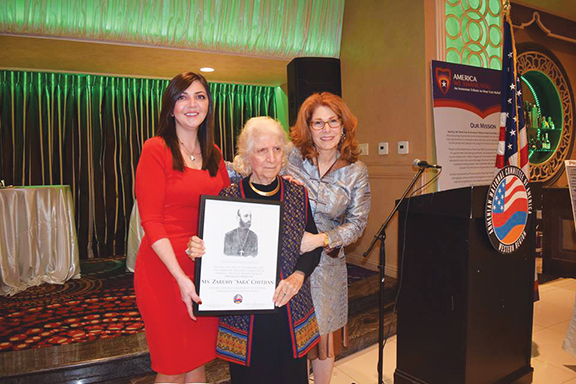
(466, 123)
(570, 166)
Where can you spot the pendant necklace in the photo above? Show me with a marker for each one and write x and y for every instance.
(329, 168)
(190, 153)
(241, 251)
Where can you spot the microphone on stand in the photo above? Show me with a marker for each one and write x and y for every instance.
(424, 164)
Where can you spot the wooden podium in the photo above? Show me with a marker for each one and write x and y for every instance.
(465, 310)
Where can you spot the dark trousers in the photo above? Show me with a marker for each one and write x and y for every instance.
(272, 359)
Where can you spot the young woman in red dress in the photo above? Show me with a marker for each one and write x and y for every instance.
(176, 166)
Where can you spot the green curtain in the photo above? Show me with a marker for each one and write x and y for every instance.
(236, 103)
(87, 131)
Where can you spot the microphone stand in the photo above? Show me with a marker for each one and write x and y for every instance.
(381, 235)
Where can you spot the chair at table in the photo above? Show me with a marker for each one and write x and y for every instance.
(135, 235)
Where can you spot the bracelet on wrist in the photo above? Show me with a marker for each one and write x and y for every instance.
(326, 240)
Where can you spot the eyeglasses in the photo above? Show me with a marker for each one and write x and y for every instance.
(319, 124)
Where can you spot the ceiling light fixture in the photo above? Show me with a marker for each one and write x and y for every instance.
(206, 69)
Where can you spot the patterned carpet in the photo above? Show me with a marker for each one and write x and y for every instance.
(100, 305)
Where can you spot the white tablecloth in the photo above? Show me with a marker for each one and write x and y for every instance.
(38, 242)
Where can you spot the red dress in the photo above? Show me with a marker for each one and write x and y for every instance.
(168, 202)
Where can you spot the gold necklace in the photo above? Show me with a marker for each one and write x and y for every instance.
(189, 153)
(262, 193)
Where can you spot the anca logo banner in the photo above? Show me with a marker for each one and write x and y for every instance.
(508, 209)
(443, 79)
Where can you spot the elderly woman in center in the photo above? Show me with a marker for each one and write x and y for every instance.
(272, 348)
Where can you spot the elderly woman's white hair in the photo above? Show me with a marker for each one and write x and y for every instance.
(254, 127)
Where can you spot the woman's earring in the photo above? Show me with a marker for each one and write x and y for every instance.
(342, 136)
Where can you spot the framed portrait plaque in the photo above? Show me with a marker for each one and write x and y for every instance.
(240, 269)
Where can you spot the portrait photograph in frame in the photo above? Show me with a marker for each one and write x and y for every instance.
(240, 268)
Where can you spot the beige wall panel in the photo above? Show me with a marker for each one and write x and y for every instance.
(386, 48)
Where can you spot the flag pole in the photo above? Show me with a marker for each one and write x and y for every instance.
(507, 8)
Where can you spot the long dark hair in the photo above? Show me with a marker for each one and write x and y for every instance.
(167, 127)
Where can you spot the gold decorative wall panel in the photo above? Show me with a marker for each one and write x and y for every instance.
(473, 34)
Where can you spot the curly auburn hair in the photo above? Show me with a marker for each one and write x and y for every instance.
(300, 132)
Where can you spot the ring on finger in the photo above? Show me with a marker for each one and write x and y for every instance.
(188, 252)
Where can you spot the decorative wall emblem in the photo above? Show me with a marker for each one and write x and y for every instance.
(551, 169)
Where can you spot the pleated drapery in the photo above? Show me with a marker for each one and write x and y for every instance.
(273, 28)
(254, 101)
(87, 131)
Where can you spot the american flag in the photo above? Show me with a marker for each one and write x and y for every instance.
(510, 210)
(513, 144)
(512, 127)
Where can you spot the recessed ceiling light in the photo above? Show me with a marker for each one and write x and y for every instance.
(206, 69)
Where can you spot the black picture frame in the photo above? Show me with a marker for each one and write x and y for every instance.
(233, 278)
